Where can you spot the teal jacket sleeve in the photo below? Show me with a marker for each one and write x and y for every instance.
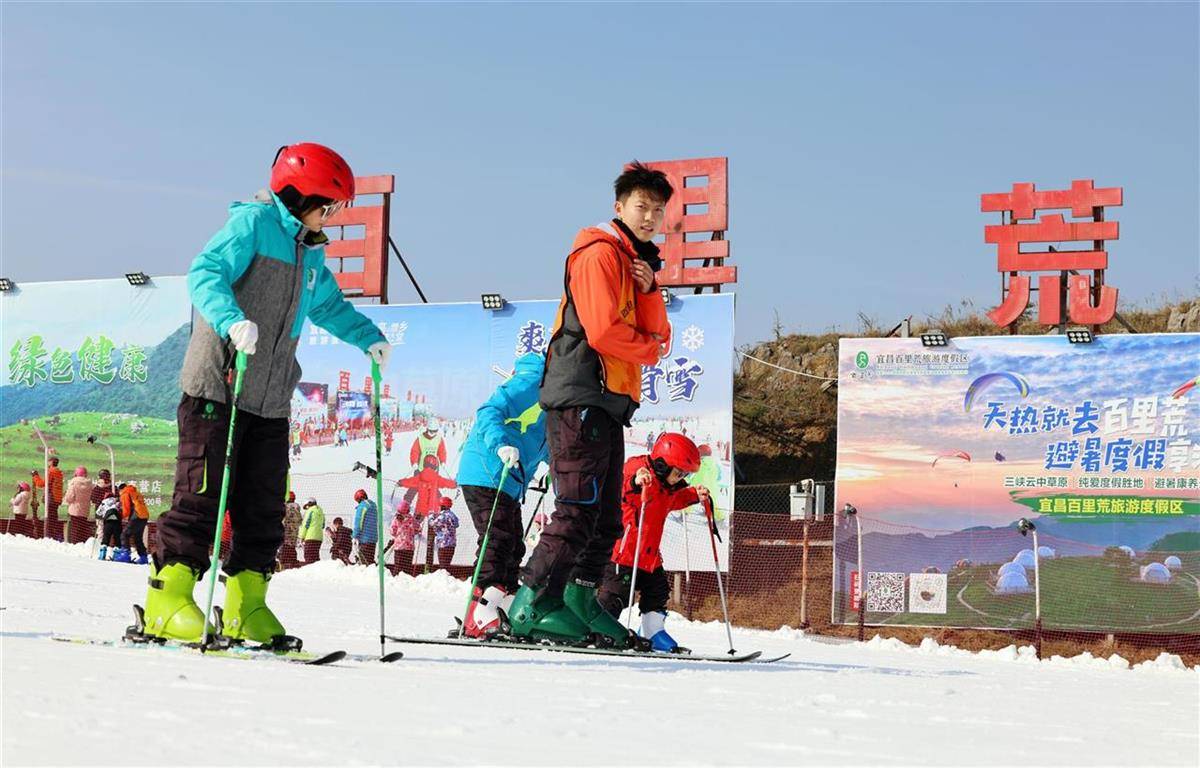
(491, 415)
(333, 312)
(222, 262)
(356, 527)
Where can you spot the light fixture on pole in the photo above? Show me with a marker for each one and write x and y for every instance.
(492, 301)
(1025, 526)
(934, 338)
(7, 285)
(112, 483)
(850, 511)
(137, 278)
(1078, 334)
(46, 453)
(667, 296)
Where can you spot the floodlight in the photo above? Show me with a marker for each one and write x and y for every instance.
(1025, 526)
(6, 284)
(137, 278)
(666, 294)
(492, 301)
(934, 338)
(1079, 334)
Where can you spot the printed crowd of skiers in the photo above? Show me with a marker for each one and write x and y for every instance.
(264, 273)
(305, 531)
(118, 514)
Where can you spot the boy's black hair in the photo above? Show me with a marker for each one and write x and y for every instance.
(337, 521)
(650, 181)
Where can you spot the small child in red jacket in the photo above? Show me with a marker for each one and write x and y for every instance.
(653, 487)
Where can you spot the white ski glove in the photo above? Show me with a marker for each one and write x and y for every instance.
(244, 335)
(509, 455)
(380, 352)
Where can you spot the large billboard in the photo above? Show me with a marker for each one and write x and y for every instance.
(448, 358)
(94, 358)
(943, 450)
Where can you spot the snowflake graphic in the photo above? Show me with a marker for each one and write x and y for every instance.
(693, 338)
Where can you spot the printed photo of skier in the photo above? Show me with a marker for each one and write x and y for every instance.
(447, 360)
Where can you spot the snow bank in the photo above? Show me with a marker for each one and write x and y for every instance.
(82, 550)
(1027, 654)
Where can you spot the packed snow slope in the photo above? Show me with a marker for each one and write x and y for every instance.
(877, 703)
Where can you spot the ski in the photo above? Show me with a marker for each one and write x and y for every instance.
(752, 657)
(249, 652)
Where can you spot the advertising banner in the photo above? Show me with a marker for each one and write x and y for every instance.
(449, 358)
(99, 359)
(943, 450)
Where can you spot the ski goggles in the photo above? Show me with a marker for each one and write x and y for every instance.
(331, 210)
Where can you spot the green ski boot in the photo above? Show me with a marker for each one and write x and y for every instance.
(171, 613)
(543, 618)
(246, 615)
(580, 598)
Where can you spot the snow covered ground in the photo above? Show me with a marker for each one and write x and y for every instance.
(879, 703)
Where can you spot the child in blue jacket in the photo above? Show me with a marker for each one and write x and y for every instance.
(510, 429)
(365, 530)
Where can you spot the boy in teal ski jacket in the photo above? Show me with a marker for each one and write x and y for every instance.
(253, 286)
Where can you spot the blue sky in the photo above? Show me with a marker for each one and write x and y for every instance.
(860, 136)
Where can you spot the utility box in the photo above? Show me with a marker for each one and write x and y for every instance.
(802, 500)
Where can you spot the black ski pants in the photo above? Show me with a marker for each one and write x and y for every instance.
(135, 534)
(587, 454)
(653, 590)
(258, 477)
(112, 533)
(506, 543)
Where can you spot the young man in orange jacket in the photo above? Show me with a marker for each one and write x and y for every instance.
(611, 321)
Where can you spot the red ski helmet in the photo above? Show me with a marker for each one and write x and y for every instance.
(446, 502)
(676, 451)
(705, 450)
(23, 486)
(432, 462)
(312, 170)
(291, 495)
(360, 495)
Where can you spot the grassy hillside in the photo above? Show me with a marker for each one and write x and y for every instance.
(1076, 592)
(147, 454)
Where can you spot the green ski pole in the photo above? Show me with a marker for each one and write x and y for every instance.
(487, 532)
(377, 380)
(240, 368)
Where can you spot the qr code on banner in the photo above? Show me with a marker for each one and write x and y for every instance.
(885, 592)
